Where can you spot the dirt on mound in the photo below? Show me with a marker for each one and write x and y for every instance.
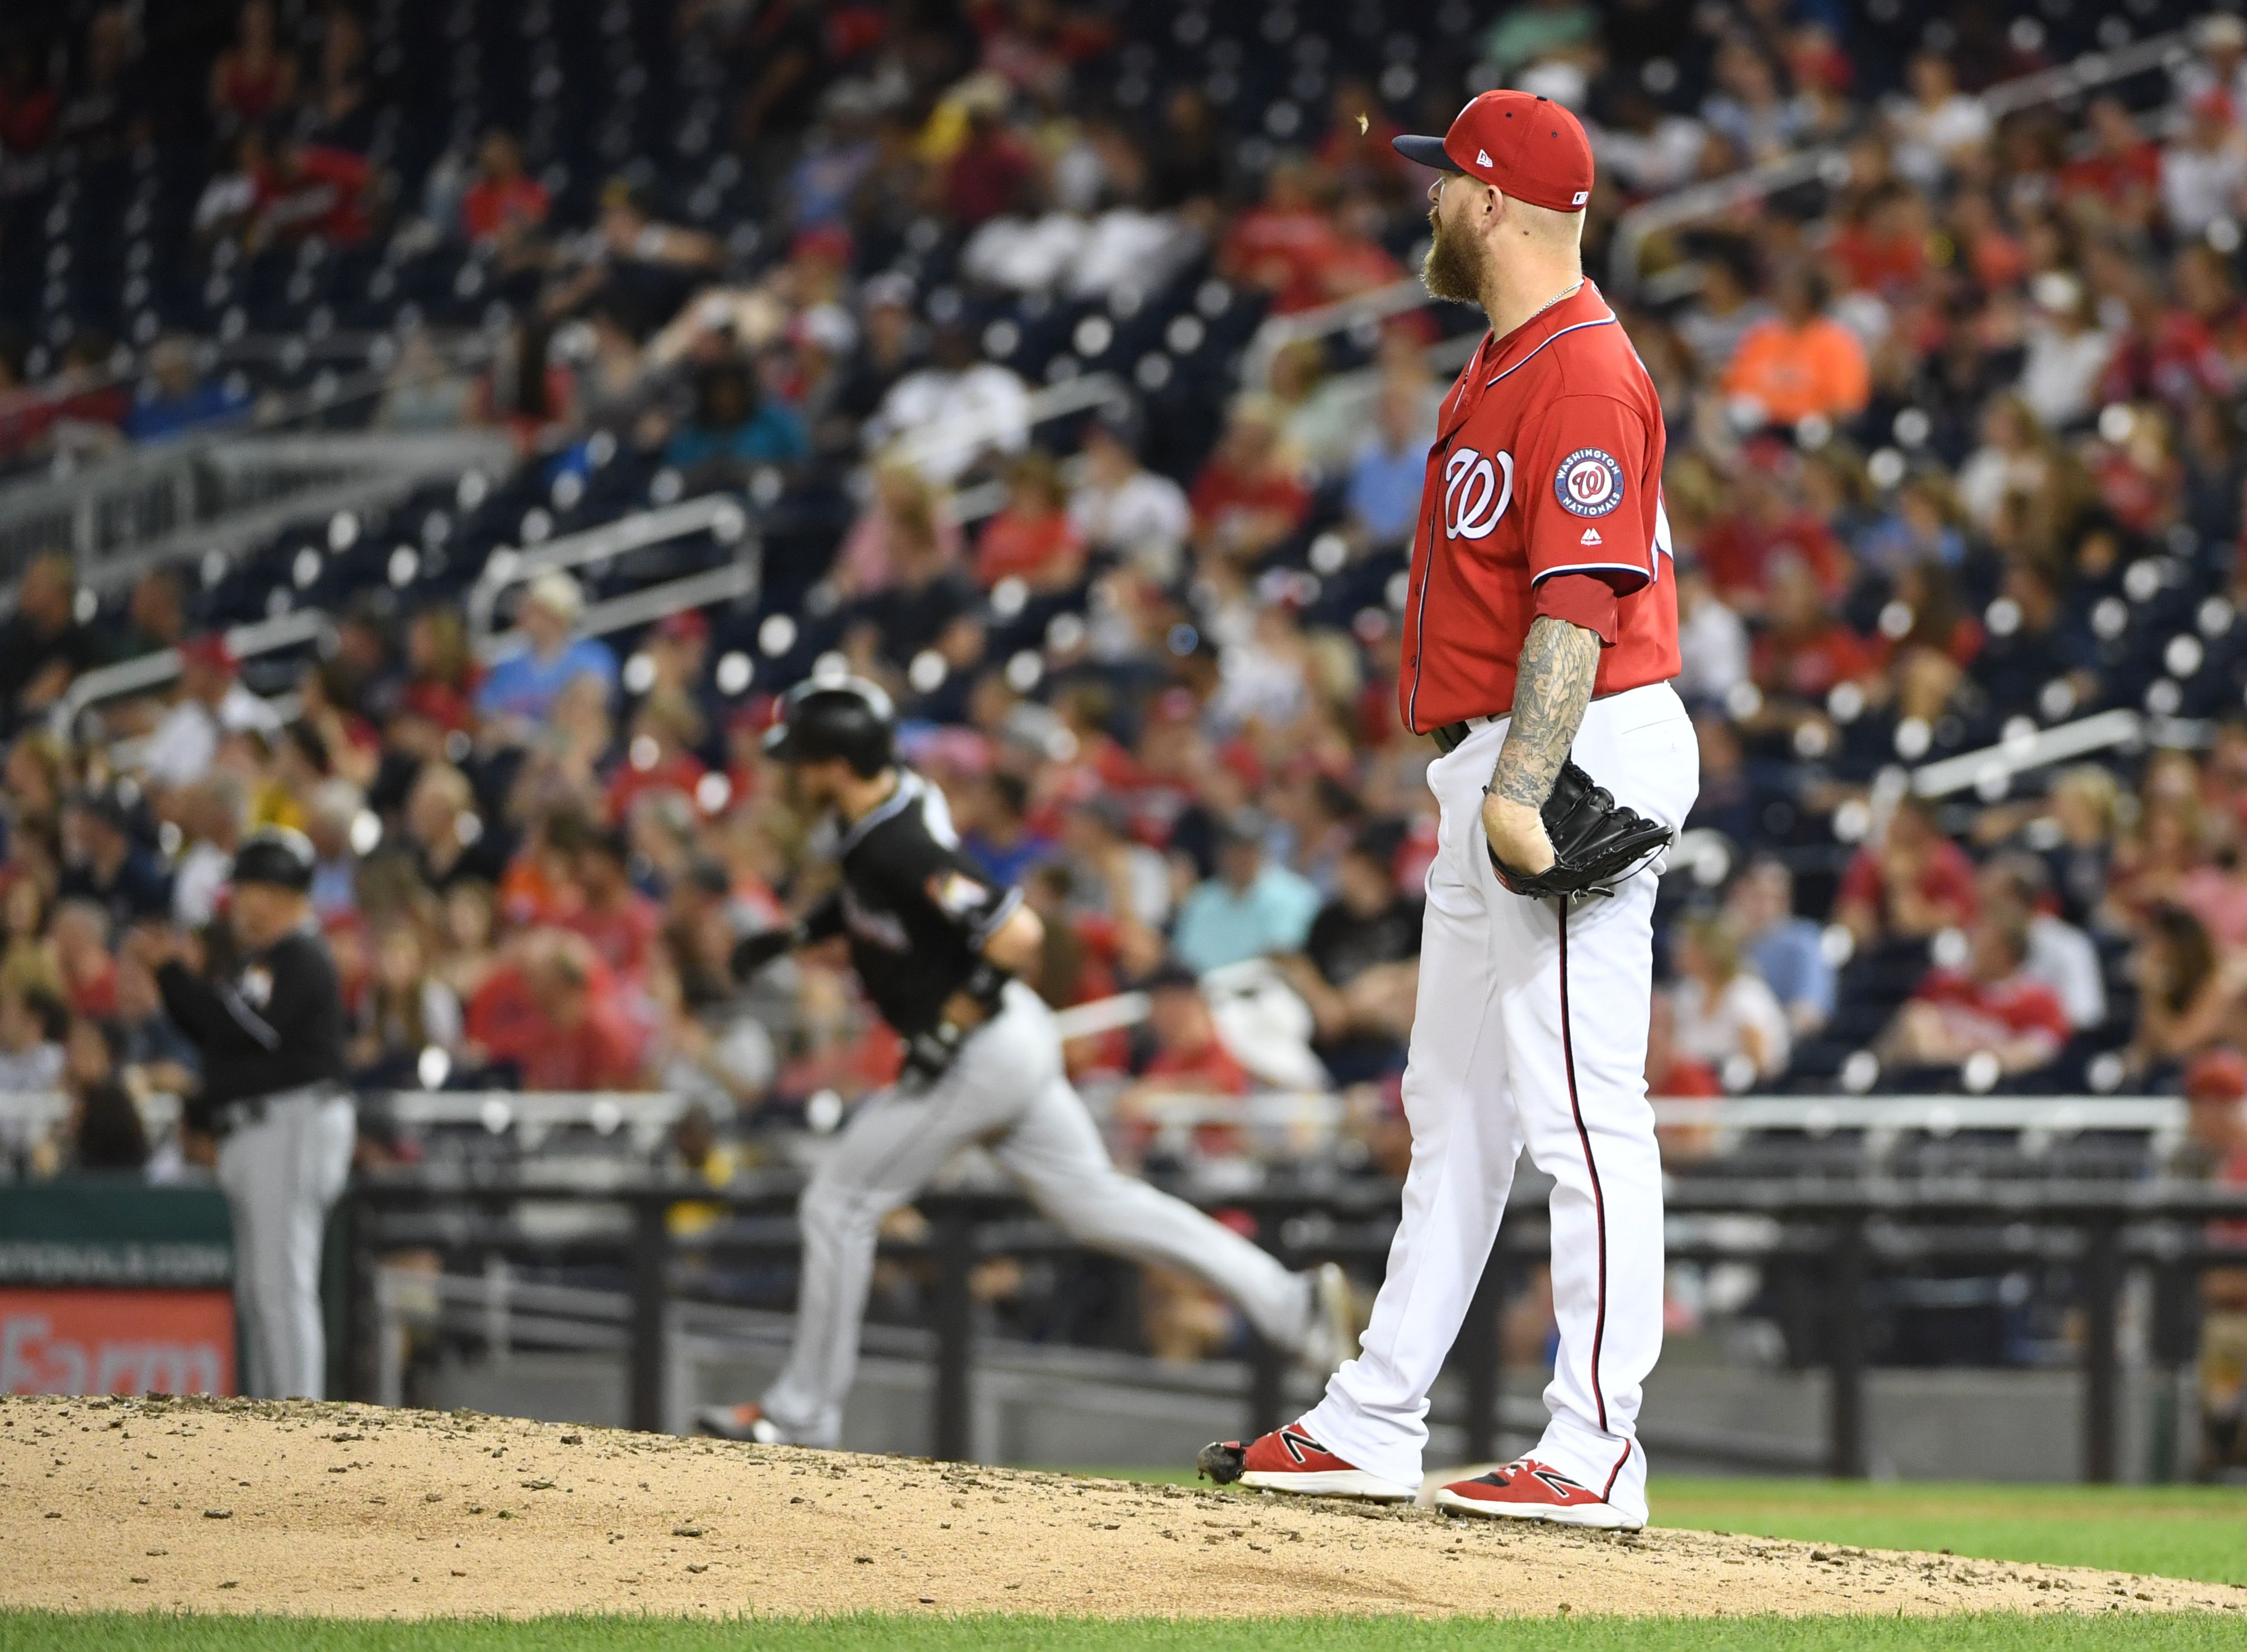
(358, 1512)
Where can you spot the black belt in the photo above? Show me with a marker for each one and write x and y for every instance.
(1452, 736)
(250, 1109)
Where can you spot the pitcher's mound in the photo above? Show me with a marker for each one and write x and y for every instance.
(355, 1510)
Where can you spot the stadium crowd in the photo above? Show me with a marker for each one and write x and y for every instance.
(1956, 452)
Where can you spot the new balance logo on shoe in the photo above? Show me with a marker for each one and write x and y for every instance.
(1297, 1444)
(1591, 537)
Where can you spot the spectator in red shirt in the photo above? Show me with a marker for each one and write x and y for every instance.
(1883, 248)
(504, 201)
(1807, 649)
(1188, 1060)
(1766, 522)
(1671, 1074)
(2121, 169)
(80, 934)
(1283, 245)
(1992, 1005)
(1031, 538)
(621, 925)
(1248, 497)
(313, 190)
(1914, 882)
(27, 103)
(988, 170)
(554, 1013)
(657, 753)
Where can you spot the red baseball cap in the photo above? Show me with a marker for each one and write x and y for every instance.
(1531, 147)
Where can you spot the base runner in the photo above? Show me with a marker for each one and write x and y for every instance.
(1542, 624)
(936, 942)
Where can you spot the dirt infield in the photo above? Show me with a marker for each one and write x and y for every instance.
(358, 1511)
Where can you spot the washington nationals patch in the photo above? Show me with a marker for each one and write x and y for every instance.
(1588, 483)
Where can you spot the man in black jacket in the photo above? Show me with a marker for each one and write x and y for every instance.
(271, 1027)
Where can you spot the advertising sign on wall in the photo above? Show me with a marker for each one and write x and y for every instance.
(116, 1341)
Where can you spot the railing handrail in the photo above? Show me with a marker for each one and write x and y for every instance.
(149, 671)
(604, 1110)
(2101, 731)
(1712, 197)
(720, 515)
(25, 495)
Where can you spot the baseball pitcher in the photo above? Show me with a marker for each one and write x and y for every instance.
(1540, 635)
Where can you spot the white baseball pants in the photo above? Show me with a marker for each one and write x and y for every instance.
(280, 1175)
(1530, 1030)
(1006, 1090)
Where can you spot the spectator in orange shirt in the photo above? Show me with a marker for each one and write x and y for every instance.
(1032, 537)
(1800, 362)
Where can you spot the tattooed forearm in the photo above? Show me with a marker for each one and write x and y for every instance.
(1559, 662)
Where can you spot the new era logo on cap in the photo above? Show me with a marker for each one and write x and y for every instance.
(1483, 155)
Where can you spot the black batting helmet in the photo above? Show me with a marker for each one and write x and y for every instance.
(276, 855)
(845, 717)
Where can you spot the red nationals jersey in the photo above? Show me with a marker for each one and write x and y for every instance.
(1547, 461)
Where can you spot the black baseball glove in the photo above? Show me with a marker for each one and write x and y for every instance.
(1597, 843)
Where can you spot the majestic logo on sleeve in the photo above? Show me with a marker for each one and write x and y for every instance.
(1476, 492)
(1588, 483)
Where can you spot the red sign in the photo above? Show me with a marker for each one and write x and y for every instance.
(116, 1343)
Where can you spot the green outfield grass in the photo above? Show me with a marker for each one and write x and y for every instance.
(2173, 1531)
(44, 1632)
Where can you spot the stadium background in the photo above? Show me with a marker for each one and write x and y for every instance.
(446, 428)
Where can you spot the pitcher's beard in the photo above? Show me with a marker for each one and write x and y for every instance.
(1452, 270)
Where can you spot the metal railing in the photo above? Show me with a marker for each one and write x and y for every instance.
(720, 516)
(1837, 1235)
(1990, 769)
(119, 513)
(147, 671)
(1829, 163)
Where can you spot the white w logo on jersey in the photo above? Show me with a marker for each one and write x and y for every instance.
(1476, 494)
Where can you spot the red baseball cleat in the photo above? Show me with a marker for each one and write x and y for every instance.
(1288, 1459)
(1527, 1489)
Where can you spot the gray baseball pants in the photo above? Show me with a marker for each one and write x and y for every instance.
(281, 1172)
(1009, 1092)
